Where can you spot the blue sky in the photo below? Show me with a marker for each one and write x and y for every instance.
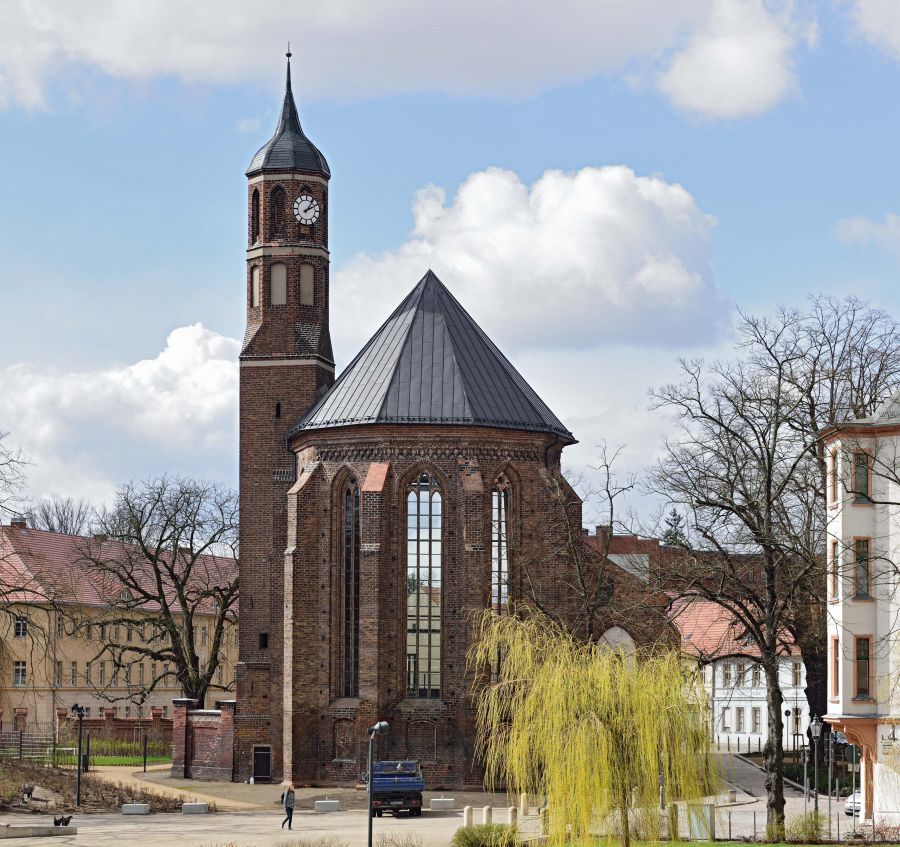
(758, 142)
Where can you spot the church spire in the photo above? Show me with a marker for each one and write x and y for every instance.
(289, 148)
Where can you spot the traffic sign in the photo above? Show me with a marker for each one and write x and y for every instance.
(851, 753)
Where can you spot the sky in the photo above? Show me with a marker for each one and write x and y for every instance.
(601, 183)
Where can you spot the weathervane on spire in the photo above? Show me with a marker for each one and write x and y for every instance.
(289, 54)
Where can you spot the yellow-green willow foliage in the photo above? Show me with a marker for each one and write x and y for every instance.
(587, 728)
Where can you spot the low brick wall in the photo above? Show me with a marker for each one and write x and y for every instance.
(109, 725)
(203, 741)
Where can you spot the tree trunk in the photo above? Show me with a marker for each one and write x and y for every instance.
(623, 816)
(773, 754)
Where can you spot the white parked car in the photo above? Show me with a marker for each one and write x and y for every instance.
(854, 804)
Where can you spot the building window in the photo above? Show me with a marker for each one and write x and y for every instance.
(128, 675)
(796, 674)
(89, 632)
(87, 711)
(500, 546)
(264, 641)
(254, 287)
(833, 487)
(726, 674)
(165, 671)
(864, 667)
(141, 673)
(202, 636)
(59, 625)
(115, 675)
(87, 673)
(101, 673)
(58, 677)
(128, 711)
(350, 592)
(741, 674)
(152, 672)
(756, 718)
(834, 564)
(277, 216)
(739, 719)
(219, 675)
(835, 666)
(861, 575)
(254, 216)
(307, 285)
(74, 674)
(165, 711)
(116, 633)
(423, 586)
(726, 720)
(20, 674)
(21, 627)
(141, 631)
(862, 463)
(278, 284)
(757, 675)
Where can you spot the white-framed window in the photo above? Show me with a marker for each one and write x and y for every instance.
(20, 674)
(726, 674)
(21, 627)
(741, 673)
(726, 719)
(74, 674)
(757, 675)
(796, 674)
(59, 673)
(757, 720)
(739, 719)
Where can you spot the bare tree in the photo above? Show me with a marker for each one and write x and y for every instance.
(748, 467)
(580, 594)
(60, 514)
(12, 476)
(165, 556)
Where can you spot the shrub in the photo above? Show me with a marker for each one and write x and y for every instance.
(807, 829)
(398, 839)
(324, 841)
(486, 835)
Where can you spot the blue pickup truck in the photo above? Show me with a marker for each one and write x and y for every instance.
(397, 787)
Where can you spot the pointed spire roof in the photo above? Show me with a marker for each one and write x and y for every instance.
(430, 363)
(289, 149)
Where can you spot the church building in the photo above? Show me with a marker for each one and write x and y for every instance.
(381, 509)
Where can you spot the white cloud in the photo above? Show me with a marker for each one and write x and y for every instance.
(738, 63)
(88, 431)
(360, 48)
(864, 231)
(584, 259)
(879, 22)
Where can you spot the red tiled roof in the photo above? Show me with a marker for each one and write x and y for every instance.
(709, 631)
(38, 566)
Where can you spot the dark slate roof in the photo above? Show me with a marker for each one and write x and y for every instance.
(430, 363)
(289, 149)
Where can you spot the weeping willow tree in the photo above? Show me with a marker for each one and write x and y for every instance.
(593, 731)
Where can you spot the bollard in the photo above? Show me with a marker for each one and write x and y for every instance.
(728, 742)
(729, 826)
(511, 816)
(486, 815)
(523, 805)
(468, 816)
(754, 824)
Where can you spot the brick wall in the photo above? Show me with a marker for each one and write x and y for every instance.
(203, 741)
(109, 725)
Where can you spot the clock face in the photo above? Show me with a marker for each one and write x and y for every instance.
(306, 209)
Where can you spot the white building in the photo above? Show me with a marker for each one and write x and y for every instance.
(734, 682)
(863, 489)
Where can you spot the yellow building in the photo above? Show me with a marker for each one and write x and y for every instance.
(63, 642)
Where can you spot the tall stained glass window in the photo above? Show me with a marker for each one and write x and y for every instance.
(500, 546)
(350, 591)
(423, 587)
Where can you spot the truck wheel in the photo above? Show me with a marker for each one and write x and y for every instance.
(417, 812)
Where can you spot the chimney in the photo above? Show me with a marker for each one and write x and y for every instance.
(99, 536)
(20, 524)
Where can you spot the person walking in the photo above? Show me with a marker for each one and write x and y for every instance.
(287, 800)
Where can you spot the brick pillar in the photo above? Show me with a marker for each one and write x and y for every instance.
(226, 737)
(21, 718)
(180, 740)
(62, 715)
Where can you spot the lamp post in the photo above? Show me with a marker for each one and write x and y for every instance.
(78, 711)
(815, 730)
(379, 729)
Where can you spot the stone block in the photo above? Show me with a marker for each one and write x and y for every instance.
(135, 808)
(323, 806)
(442, 804)
(194, 808)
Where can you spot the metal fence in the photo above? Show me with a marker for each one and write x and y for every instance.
(36, 746)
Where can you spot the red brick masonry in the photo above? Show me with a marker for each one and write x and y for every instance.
(203, 741)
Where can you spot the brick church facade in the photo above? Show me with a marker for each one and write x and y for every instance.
(380, 510)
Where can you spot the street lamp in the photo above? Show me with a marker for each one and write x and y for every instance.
(815, 730)
(381, 728)
(78, 711)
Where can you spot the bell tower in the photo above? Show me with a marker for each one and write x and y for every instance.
(286, 360)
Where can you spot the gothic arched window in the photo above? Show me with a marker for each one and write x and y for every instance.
(423, 587)
(254, 217)
(500, 546)
(277, 216)
(350, 592)
(278, 284)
